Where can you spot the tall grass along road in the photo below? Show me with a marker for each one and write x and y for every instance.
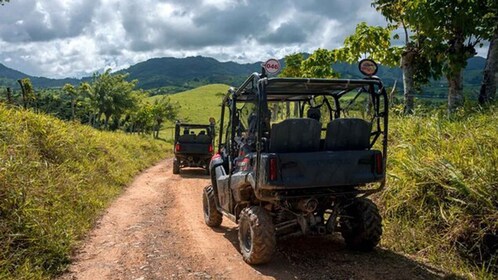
(56, 178)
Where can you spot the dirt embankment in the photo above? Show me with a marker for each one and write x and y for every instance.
(155, 230)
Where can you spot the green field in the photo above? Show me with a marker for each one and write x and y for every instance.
(196, 106)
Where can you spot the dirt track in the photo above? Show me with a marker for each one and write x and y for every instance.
(155, 230)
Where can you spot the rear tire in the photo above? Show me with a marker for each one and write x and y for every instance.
(362, 225)
(256, 235)
(212, 216)
(176, 166)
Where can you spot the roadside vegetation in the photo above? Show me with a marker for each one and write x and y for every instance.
(56, 178)
(441, 201)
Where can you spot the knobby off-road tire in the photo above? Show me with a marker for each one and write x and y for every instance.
(363, 228)
(176, 166)
(256, 235)
(212, 216)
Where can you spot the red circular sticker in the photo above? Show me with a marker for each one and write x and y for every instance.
(272, 66)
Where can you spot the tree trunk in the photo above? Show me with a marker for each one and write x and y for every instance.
(408, 68)
(455, 93)
(106, 124)
(158, 127)
(490, 78)
(23, 92)
(288, 110)
(9, 96)
(457, 60)
(72, 107)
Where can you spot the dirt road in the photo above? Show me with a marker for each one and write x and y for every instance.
(155, 230)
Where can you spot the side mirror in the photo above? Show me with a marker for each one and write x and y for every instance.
(368, 67)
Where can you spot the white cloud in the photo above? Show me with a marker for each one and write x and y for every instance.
(58, 38)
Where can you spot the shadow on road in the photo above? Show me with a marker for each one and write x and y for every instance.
(326, 257)
(193, 173)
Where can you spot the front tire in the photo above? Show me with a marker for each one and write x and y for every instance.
(361, 225)
(212, 216)
(256, 235)
(176, 166)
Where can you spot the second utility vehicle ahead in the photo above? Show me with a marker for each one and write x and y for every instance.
(193, 146)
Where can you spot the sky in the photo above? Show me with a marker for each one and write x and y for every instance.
(74, 38)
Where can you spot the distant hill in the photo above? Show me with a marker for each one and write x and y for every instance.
(170, 75)
(189, 72)
(9, 77)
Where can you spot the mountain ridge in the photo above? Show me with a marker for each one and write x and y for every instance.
(170, 74)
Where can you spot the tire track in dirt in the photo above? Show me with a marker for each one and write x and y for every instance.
(156, 230)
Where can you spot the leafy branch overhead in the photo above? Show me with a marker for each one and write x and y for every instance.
(372, 42)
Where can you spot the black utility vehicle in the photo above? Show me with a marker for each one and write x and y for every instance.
(193, 146)
(300, 156)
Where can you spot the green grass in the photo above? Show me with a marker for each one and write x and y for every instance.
(441, 200)
(55, 180)
(196, 106)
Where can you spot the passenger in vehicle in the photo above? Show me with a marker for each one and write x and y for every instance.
(314, 113)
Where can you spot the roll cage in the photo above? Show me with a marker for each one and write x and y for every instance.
(261, 90)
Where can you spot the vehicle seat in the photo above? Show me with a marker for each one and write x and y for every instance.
(295, 135)
(187, 138)
(203, 138)
(348, 134)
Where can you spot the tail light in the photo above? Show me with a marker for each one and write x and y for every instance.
(273, 169)
(211, 148)
(178, 147)
(379, 168)
(215, 156)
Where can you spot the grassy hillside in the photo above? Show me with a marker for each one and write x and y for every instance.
(55, 179)
(197, 106)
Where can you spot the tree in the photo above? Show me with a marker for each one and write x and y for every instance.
(293, 68)
(112, 95)
(372, 42)
(292, 65)
(420, 58)
(162, 110)
(319, 65)
(28, 93)
(71, 91)
(460, 25)
(488, 87)
(89, 103)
